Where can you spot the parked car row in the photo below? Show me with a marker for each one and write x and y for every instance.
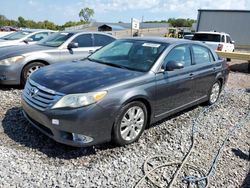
(24, 37)
(18, 62)
(119, 88)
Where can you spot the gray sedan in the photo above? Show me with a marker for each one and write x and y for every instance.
(17, 63)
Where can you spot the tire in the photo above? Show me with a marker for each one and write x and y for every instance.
(126, 132)
(29, 69)
(214, 93)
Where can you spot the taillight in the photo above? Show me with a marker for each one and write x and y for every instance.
(220, 46)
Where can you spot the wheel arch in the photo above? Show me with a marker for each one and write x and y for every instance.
(30, 62)
(145, 101)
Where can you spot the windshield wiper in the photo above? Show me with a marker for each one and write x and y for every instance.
(108, 63)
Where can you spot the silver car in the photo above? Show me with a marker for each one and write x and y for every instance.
(24, 37)
(17, 63)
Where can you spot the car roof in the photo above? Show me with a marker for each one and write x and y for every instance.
(166, 40)
(211, 32)
(86, 32)
(36, 30)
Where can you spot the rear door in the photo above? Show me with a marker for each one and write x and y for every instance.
(174, 88)
(204, 71)
(102, 40)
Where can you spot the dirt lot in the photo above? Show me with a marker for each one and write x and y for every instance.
(30, 159)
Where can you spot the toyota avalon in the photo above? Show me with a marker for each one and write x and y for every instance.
(120, 89)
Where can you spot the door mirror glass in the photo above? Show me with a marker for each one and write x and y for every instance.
(72, 45)
(172, 65)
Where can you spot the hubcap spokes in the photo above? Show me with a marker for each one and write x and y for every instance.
(132, 123)
(32, 70)
(215, 93)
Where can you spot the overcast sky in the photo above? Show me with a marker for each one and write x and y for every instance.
(60, 11)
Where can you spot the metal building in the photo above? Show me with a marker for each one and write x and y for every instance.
(234, 22)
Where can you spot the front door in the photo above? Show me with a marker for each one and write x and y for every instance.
(85, 47)
(174, 88)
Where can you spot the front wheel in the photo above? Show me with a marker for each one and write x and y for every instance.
(29, 70)
(214, 93)
(130, 123)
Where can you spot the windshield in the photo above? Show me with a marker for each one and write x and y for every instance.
(56, 39)
(138, 55)
(207, 37)
(16, 35)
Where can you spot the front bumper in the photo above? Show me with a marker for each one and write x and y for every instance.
(10, 75)
(92, 121)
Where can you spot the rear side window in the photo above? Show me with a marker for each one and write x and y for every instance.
(180, 54)
(102, 40)
(207, 37)
(84, 40)
(201, 54)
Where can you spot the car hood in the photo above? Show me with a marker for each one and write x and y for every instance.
(9, 42)
(11, 51)
(81, 77)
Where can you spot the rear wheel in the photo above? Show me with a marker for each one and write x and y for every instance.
(30, 69)
(130, 123)
(214, 93)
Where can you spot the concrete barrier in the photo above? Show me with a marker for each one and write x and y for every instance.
(236, 55)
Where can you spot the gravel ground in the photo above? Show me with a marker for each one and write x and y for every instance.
(30, 159)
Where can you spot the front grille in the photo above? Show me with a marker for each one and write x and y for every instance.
(38, 96)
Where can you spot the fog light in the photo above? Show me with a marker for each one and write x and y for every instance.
(3, 77)
(81, 138)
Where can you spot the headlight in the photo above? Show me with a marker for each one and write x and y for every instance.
(11, 60)
(79, 100)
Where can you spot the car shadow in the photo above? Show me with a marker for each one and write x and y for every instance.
(241, 67)
(17, 128)
(10, 87)
(174, 116)
(244, 156)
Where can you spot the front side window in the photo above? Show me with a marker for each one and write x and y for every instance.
(84, 40)
(138, 55)
(39, 36)
(56, 39)
(180, 54)
(102, 40)
(223, 38)
(229, 39)
(201, 54)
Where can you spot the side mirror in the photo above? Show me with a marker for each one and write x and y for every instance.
(232, 42)
(172, 65)
(72, 45)
(28, 40)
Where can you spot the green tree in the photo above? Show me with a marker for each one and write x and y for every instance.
(21, 22)
(180, 22)
(86, 14)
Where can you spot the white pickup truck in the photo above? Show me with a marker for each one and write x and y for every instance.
(216, 40)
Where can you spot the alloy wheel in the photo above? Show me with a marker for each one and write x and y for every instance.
(132, 123)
